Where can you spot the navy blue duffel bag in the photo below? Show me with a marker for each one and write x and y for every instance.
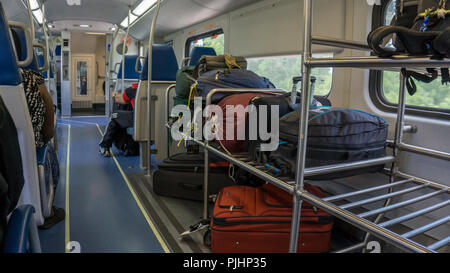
(335, 136)
(229, 78)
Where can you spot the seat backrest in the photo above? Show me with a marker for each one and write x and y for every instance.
(58, 50)
(198, 52)
(9, 71)
(41, 63)
(164, 64)
(164, 70)
(12, 93)
(130, 71)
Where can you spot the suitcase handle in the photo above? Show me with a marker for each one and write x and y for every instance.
(190, 187)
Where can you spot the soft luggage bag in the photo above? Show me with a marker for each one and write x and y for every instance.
(229, 78)
(258, 220)
(235, 144)
(209, 63)
(184, 80)
(335, 135)
(181, 176)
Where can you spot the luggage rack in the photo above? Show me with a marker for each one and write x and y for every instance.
(375, 226)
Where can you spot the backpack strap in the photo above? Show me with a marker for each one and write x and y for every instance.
(411, 75)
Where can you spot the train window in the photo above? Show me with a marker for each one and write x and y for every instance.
(281, 69)
(214, 39)
(430, 98)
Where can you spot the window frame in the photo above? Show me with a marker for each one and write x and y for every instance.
(301, 56)
(376, 81)
(187, 47)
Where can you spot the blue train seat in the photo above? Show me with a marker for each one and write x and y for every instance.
(12, 93)
(130, 76)
(41, 63)
(130, 71)
(164, 70)
(21, 234)
(198, 52)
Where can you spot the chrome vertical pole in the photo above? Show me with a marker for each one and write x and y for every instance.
(30, 16)
(123, 52)
(397, 140)
(205, 182)
(303, 128)
(149, 95)
(47, 44)
(110, 68)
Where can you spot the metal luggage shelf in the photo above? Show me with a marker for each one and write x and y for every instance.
(343, 212)
(369, 221)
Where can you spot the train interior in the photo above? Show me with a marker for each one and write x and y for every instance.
(90, 52)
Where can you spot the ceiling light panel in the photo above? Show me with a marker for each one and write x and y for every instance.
(125, 21)
(39, 16)
(73, 2)
(34, 4)
(143, 7)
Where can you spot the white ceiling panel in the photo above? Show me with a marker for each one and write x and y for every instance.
(178, 14)
(174, 14)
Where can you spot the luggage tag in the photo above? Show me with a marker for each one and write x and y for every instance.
(203, 224)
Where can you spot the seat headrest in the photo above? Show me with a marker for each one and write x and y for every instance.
(41, 63)
(9, 71)
(198, 52)
(164, 65)
(130, 71)
(23, 47)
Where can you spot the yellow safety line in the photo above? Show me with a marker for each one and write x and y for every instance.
(136, 198)
(67, 222)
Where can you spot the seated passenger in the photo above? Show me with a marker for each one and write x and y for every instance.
(42, 114)
(120, 121)
(39, 102)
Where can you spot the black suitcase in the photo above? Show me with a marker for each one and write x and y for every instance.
(181, 176)
(335, 135)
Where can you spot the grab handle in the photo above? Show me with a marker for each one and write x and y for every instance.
(28, 43)
(44, 51)
(137, 64)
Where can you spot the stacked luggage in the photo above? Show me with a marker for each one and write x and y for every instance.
(251, 216)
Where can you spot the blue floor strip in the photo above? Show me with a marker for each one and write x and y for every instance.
(104, 216)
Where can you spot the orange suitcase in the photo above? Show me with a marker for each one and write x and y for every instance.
(258, 220)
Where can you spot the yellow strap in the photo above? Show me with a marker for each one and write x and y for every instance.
(193, 91)
(230, 61)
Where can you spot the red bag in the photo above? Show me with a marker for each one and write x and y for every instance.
(258, 220)
(234, 145)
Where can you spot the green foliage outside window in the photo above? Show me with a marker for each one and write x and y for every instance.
(281, 69)
(216, 42)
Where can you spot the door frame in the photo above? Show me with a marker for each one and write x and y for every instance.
(91, 77)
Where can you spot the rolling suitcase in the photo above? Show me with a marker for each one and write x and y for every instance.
(258, 220)
(181, 176)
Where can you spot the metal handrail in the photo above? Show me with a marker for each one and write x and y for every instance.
(339, 43)
(150, 68)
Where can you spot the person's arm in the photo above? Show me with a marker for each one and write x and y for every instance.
(48, 130)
